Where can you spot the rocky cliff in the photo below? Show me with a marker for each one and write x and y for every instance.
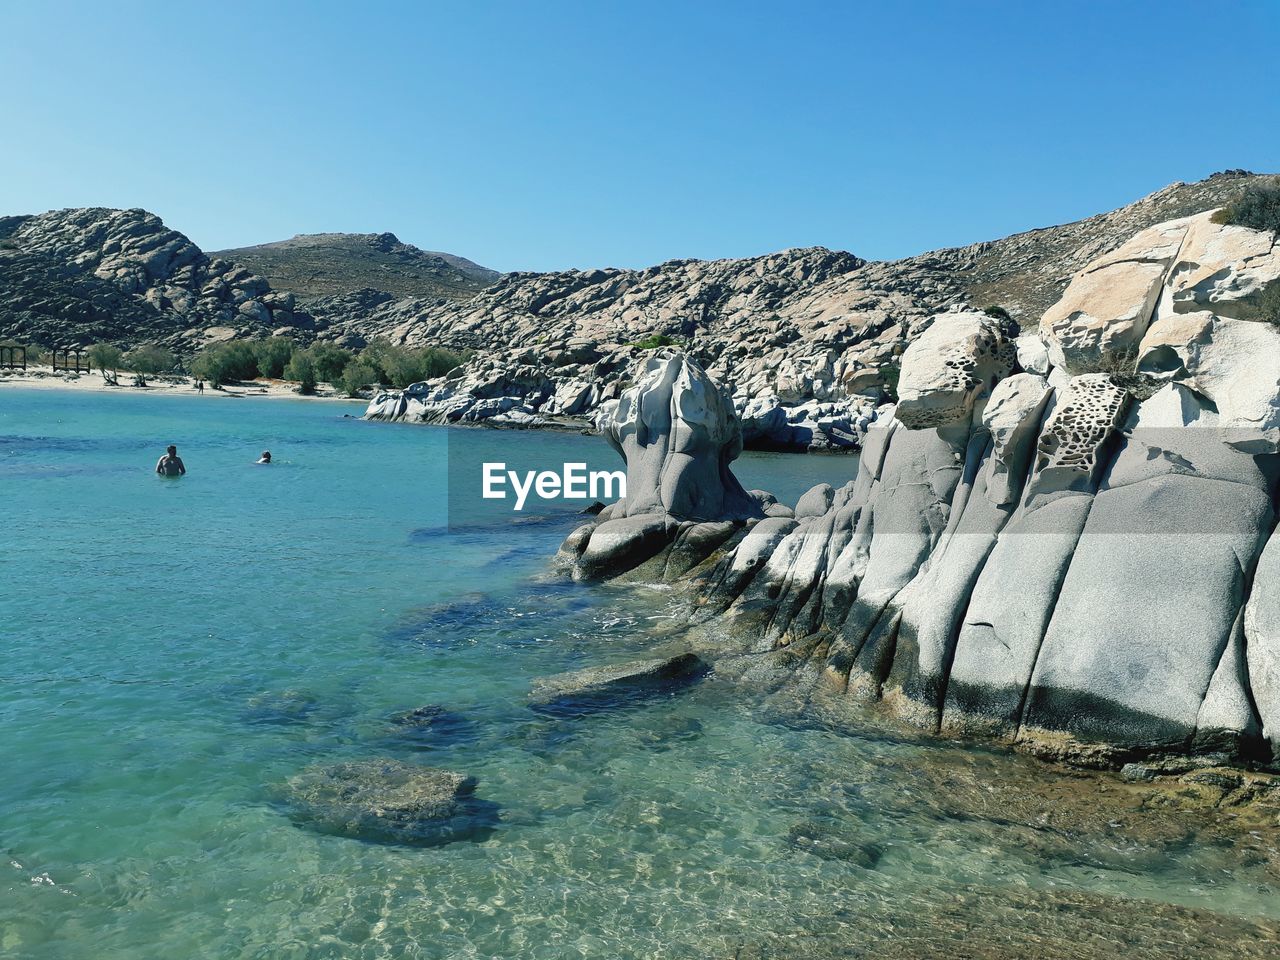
(806, 340)
(1064, 539)
(79, 276)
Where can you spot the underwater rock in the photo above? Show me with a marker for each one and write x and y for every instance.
(431, 726)
(390, 801)
(596, 688)
(829, 843)
(280, 707)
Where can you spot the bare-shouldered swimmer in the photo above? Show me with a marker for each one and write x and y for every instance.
(171, 465)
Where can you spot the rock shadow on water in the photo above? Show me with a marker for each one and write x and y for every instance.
(391, 802)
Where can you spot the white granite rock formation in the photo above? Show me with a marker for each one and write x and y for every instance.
(1069, 542)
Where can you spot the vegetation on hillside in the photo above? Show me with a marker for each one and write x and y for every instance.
(654, 340)
(1258, 207)
(338, 264)
(1269, 303)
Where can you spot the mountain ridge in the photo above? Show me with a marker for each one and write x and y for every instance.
(318, 265)
(802, 323)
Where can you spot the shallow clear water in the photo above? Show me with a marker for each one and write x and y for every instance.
(173, 651)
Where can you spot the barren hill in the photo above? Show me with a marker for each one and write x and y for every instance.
(319, 265)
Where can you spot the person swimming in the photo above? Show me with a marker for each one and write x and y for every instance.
(171, 465)
(266, 457)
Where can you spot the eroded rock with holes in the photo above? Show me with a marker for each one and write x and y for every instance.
(1068, 453)
(950, 367)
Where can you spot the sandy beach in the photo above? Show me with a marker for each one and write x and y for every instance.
(42, 377)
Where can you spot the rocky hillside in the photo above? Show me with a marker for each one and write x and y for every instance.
(803, 328)
(808, 338)
(327, 268)
(79, 276)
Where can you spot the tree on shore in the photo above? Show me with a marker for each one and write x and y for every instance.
(106, 357)
(302, 369)
(221, 363)
(273, 356)
(356, 376)
(147, 360)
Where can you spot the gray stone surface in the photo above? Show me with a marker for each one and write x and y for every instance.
(388, 800)
(596, 688)
(1072, 563)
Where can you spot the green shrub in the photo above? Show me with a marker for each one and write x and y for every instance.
(148, 360)
(221, 363)
(999, 312)
(302, 368)
(1258, 207)
(273, 355)
(356, 376)
(1269, 303)
(1122, 366)
(891, 372)
(653, 341)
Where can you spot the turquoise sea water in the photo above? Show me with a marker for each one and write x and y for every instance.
(172, 651)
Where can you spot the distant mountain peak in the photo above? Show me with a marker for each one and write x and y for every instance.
(317, 266)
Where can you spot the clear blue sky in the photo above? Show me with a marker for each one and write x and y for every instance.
(542, 135)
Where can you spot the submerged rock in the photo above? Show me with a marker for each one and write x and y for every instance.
(280, 707)
(833, 843)
(390, 801)
(596, 688)
(431, 726)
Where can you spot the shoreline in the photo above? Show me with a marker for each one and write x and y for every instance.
(43, 378)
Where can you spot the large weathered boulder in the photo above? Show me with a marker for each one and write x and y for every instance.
(1012, 418)
(1234, 364)
(1262, 638)
(678, 432)
(1108, 305)
(950, 367)
(1072, 557)
(1223, 269)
